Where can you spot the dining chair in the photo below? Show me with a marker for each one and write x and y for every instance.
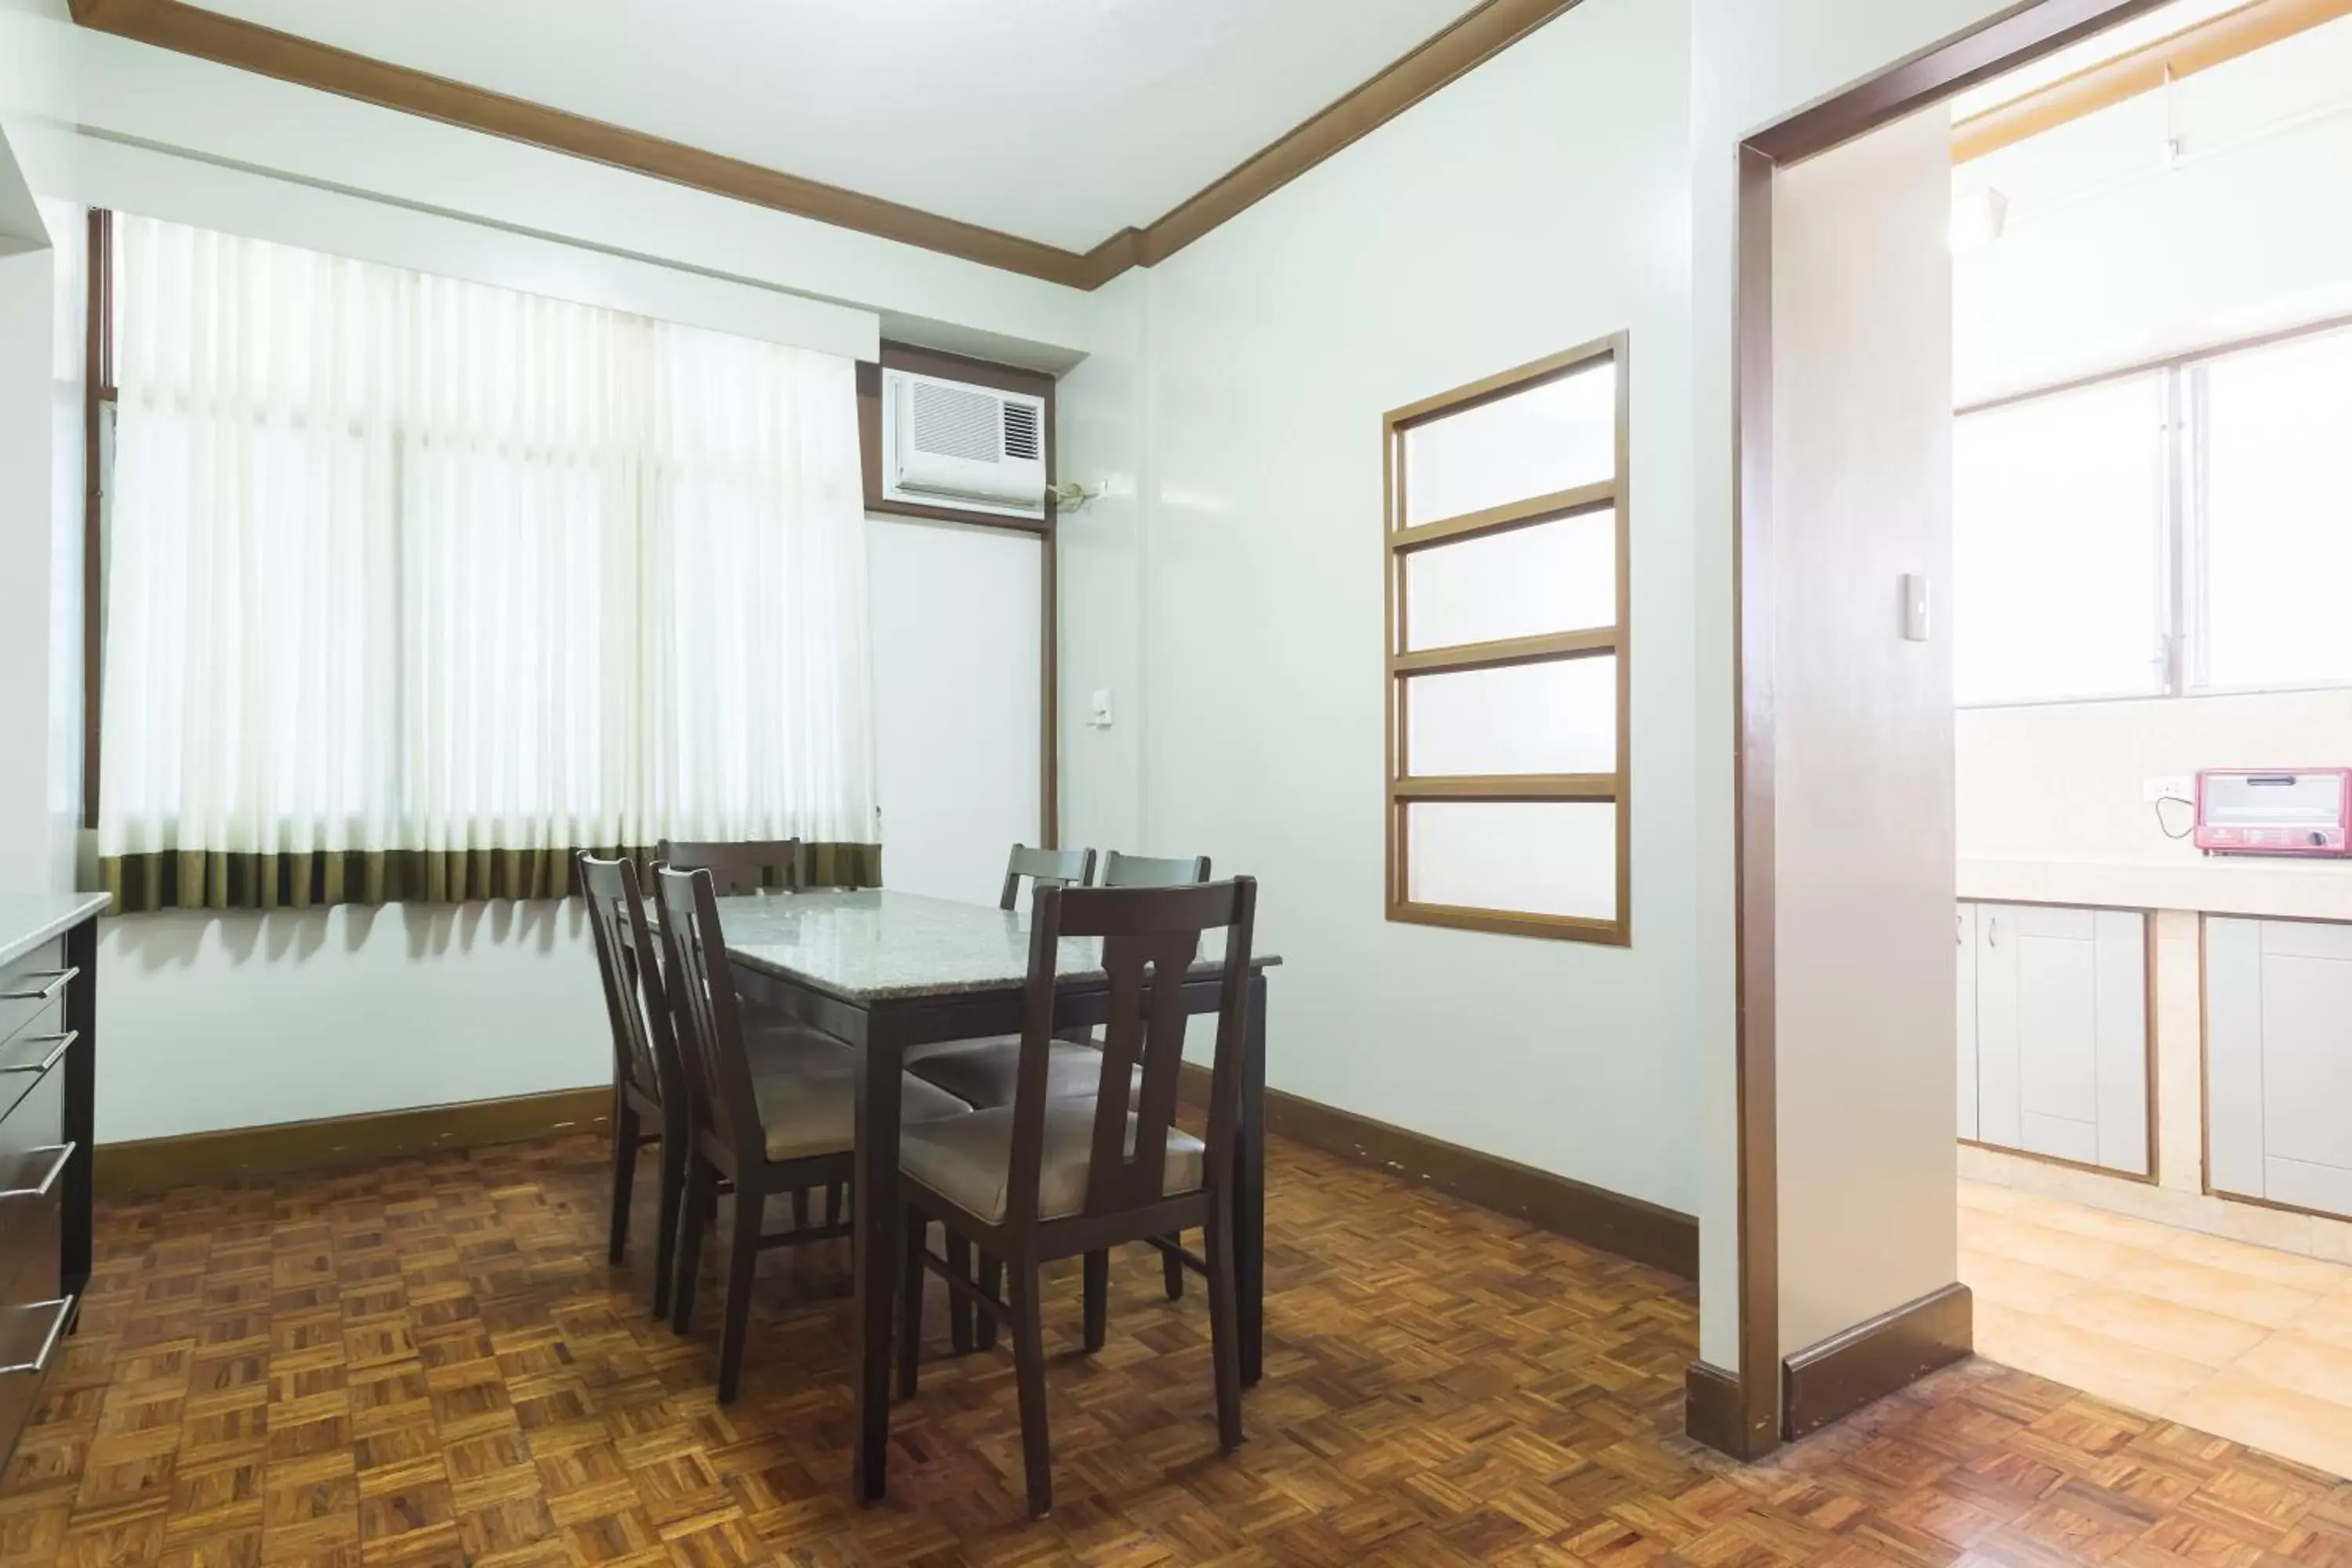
(737, 868)
(650, 1093)
(787, 1127)
(1046, 1178)
(982, 1072)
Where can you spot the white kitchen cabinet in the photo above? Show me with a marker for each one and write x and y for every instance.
(2278, 1061)
(2053, 1018)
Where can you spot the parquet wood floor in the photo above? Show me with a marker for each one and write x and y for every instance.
(430, 1362)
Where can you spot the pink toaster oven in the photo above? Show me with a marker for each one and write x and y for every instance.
(2277, 811)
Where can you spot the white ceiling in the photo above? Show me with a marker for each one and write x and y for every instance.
(1063, 120)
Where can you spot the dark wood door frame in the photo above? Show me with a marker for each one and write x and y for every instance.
(1740, 1411)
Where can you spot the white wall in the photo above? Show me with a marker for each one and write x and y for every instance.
(1535, 205)
(1862, 342)
(2112, 257)
(36, 807)
(1754, 62)
(956, 699)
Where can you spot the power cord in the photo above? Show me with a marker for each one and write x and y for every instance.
(2165, 827)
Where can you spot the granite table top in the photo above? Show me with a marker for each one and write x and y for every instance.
(880, 946)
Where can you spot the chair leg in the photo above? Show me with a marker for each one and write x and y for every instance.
(1224, 1321)
(624, 1173)
(701, 1192)
(1029, 1375)
(1171, 1269)
(992, 1280)
(910, 1300)
(742, 1259)
(960, 1311)
(673, 1200)
(834, 1213)
(1098, 1298)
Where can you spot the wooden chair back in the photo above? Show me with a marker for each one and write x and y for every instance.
(1045, 869)
(710, 1019)
(1150, 938)
(738, 868)
(644, 1049)
(1144, 871)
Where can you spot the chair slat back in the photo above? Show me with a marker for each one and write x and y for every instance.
(1150, 940)
(1147, 871)
(1045, 869)
(739, 868)
(703, 986)
(644, 1049)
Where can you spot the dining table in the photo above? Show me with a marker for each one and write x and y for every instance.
(886, 971)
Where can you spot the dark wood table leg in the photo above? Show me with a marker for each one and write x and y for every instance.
(1249, 1192)
(874, 1199)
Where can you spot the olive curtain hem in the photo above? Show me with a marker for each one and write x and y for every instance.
(219, 879)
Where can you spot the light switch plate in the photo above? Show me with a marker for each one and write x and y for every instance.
(2171, 786)
(1098, 709)
(1915, 606)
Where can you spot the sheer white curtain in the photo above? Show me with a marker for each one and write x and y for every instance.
(408, 567)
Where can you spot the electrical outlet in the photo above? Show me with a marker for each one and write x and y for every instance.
(2172, 787)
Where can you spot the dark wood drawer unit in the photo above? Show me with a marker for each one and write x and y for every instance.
(48, 1075)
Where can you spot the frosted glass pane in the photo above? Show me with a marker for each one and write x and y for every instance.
(1553, 436)
(1531, 582)
(2278, 518)
(1541, 859)
(2057, 538)
(1556, 718)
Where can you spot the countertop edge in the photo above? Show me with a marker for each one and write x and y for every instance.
(2257, 890)
(69, 910)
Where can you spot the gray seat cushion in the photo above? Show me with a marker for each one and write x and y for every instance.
(813, 1110)
(985, 1073)
(779, 1046)
(966, 1159)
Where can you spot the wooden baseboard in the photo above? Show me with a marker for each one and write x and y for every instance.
(1874, 1358)
(149, 1165)
(1712, 1408)
(1628, 1228)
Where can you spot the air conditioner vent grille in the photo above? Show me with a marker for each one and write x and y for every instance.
(1020, 432)
(957, 422)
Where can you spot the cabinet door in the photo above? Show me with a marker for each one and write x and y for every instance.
(2306, 1029)
(1998, 1106)
(1965, 951)
(2233, 1055)
(2062, 1033)
(2057, 1030)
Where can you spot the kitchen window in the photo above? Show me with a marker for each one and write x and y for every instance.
(2172, 530)
(1509, 650)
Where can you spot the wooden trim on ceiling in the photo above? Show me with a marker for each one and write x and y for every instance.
(1470, 41)
(2230, 36)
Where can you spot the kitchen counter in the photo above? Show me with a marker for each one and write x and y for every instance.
(2283, 888)
(28, 920)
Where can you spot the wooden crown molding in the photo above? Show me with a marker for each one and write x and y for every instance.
(2145, 69)
(187, 29)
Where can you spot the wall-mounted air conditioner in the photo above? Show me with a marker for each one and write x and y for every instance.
(951, 444)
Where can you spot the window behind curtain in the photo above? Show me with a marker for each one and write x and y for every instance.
(418, 586)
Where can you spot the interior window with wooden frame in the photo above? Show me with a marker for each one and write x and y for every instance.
(1509, 653)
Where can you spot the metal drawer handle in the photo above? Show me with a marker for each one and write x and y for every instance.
(64, 1152)
(57, 980)
(40, 1364)
(59, 1045)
